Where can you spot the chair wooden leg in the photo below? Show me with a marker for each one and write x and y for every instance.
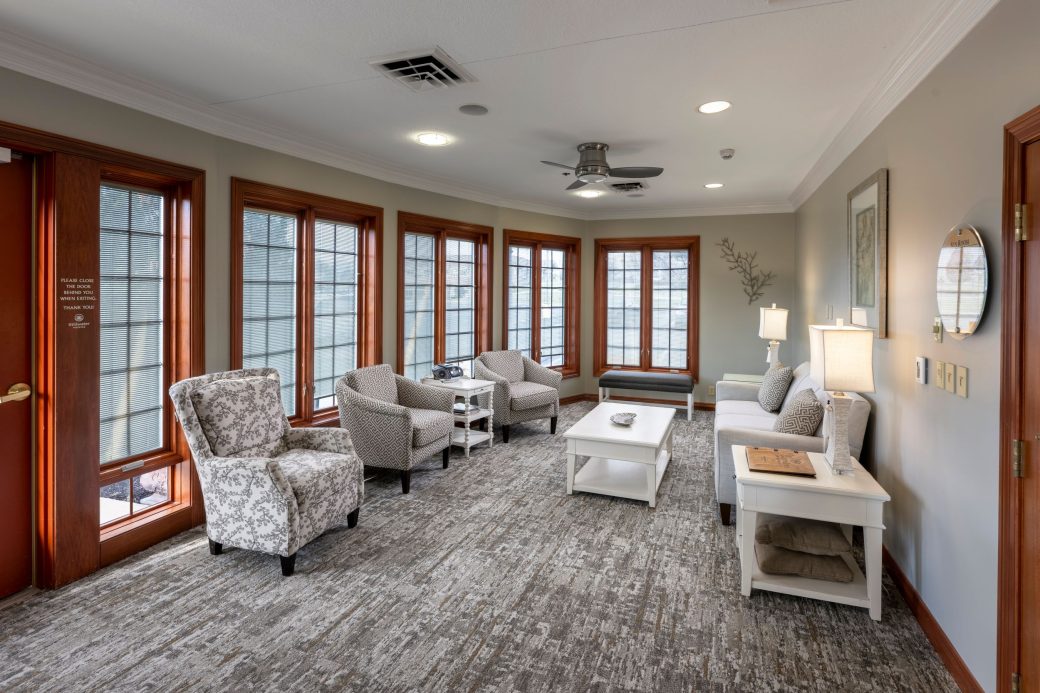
(724, 510)
(288, 564)
(552, 425)
(406, 481)
(352, 518)
(505, 434)
(444, 456)
(215, 548)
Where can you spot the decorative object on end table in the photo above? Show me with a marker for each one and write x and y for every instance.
(776, 461)
(772, 325)
(447, 372)
(752, 277)
(868, 253)
(773, 390)
(624, 418)
(841, 358)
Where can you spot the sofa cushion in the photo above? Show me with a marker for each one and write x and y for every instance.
(428, 425)
(508, 364)
(656, 382)
(800, 380)
(324, 484)
(802, 416)
(799, 534)
(241, 416)
(377, 382)
(525, 395)
(774, 560)
(773, 391)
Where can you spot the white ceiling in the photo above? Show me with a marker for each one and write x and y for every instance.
(808, 79)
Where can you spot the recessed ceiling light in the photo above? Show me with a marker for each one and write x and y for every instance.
(589, 194)
(432, 139)
(714, 107)
(473, 109)
(712, 186)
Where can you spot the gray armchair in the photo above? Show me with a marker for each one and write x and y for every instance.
(525, 390)
(267, 487)
(395, 422)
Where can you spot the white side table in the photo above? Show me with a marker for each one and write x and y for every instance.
(466, 389)
(848, 499)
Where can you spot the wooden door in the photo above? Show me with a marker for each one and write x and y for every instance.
(16, 232)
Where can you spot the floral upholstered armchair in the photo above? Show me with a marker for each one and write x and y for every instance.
(525, 390)
(267, 487)
(395, 422)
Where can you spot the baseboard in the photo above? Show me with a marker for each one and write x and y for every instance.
(571, 399)
(943, 647)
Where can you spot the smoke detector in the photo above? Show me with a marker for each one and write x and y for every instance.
(423, 70)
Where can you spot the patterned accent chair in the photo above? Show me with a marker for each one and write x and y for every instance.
(267, 487)
(395, 422)
(525, 390)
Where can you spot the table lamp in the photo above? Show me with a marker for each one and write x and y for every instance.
(772, 325)
(841, 359)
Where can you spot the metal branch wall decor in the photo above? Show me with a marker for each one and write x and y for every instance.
(752, 277)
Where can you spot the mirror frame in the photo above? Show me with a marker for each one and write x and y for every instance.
(879, 178)
(960, 336)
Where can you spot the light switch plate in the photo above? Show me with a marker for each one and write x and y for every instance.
(940, 374)
(921, 370)
(951, 377)
(962, 381)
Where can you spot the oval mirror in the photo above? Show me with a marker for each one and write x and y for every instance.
(962, 281)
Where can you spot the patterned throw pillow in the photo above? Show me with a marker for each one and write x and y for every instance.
(774, 388)
(801, 416)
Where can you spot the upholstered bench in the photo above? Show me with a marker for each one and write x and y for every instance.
(651, 382)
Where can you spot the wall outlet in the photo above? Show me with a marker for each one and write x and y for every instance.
(921, 370)
(951, 377)
(940, 374)
(711, 391)
(962, 381)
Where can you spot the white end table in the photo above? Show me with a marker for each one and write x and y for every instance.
(847, 499)
(622, 461)
(467, 388)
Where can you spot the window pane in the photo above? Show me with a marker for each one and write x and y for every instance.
(133, 496)
(269, 297)
(131, 341)
(335, 307)
(553, 306)
(670, 319)
(418, 309)
(459, 289)
(623, 307)
(518, 330)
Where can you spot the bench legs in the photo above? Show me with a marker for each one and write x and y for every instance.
(689, 407)
(604, 393)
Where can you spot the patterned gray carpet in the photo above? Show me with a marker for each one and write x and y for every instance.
(488, 577)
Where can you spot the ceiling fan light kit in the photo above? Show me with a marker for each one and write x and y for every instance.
(593, 167)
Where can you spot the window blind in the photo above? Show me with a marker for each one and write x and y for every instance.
(670, 306)
(553, 307)
(131, 324)
(269, 297)
(520, 308)
(460, 292)
(623, 313)
(335, 307)
(419, 259)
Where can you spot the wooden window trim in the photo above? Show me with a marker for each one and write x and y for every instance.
(441, 230)
(571, 245)
(308, 207)
(647, 246)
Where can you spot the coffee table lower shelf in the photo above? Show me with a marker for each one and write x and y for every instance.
(620, 478)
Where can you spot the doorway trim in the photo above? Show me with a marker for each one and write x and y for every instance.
(1018, 133)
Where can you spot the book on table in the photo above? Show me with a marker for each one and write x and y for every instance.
(776, 461)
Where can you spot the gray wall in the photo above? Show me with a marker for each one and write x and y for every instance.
(934, 452)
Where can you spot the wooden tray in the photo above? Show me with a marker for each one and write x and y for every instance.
(779, 462)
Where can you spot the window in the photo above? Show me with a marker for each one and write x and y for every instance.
(444, 293)
(542, 298)
(305, 292)
(647, 304)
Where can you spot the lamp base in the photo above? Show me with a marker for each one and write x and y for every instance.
(838, 456)
(773, 354)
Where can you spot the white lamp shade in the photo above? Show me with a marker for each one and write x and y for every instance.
(841, 359)
(772, 323)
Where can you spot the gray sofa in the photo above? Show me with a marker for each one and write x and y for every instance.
(740, 420)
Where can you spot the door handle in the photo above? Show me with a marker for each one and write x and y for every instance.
(16, 393)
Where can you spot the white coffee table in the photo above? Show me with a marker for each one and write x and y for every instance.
(466, 389)
(621, 461)
(847, 499)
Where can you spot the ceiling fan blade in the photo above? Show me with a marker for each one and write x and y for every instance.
(636, 172)
(576, 184)
(553, 163)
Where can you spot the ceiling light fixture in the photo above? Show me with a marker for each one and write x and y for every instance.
(712, 186)
(474, 109)
(589, 194)
(432, 139)
(714, 107)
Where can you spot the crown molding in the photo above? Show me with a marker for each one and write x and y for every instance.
(945, 28)
(669, 212)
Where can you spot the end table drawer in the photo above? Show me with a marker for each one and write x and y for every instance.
(823, 506)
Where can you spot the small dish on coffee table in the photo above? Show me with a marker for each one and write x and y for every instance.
(623, 418)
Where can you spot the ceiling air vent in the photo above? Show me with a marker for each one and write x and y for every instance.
(423, 70)
(631, 187)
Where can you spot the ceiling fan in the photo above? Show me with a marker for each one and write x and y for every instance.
(592, 167)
